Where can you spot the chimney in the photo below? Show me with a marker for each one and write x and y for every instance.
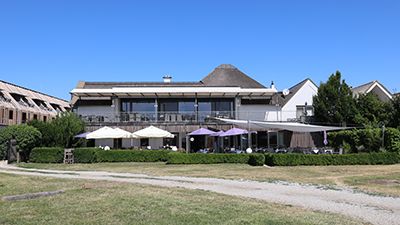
(167, 79)
(272, 85)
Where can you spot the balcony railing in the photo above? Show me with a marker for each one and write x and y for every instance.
(161, 117)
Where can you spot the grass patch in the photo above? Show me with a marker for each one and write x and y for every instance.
(101, 202)
(358, 176)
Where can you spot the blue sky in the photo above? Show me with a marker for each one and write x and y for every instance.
(50, 45)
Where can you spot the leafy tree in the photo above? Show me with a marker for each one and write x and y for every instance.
(27, 138)
(66, 125)
(372, 111)
(48, 132)
(395, 115)
(334, 103)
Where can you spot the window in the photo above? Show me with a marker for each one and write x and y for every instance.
(44, 118)
(137, 105)
(264, 101)
(11, 115)
(35, 117)
(304, 111)
(24, 117)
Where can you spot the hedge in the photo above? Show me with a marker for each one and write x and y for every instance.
(86, 155)
(47, 155)
(200, 158)
(256, 159)
(131, 155)
(323, 160)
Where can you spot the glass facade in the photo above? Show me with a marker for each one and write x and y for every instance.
(175, 109)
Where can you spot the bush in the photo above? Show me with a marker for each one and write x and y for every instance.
(47, 155)
(256, 159)
(27, 138)
(364, 140)
(346, 159)
(131, 155)
(86, 155)
(199, 158)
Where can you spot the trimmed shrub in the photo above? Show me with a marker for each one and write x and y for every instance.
(27, 138)
(85, 155)
(47, 155)
(199, 158)
(131, 155)
(346, 159)
(256, 159)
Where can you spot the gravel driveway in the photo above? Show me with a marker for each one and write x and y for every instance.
(371, 208)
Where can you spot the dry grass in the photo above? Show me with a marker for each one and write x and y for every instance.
(380, 179)
(98, 202)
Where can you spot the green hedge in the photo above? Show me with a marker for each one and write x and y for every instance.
(199, 158)
(132, 155)
(47, 155)
(86, 155)
(256, 159)
(345, 159)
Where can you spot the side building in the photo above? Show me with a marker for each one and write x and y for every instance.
(19, 105)
(182, 107)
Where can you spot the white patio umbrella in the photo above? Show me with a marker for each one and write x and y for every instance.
(108, 133)
(152, 132)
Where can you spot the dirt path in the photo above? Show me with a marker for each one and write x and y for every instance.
(373, 209)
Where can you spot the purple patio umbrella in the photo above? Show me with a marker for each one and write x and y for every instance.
(83, 135)
(216, 134)
(234, 131)
(202, 131)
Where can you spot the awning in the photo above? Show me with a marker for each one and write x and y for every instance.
(108, 133)
(291, 126)
(152, 132)
(202, 131)
(83, 135)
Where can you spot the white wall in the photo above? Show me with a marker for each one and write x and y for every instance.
(305, 94)
(258, 112)
(95, 110)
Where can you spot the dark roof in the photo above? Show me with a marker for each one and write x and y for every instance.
(140, 84)
(282, 99)
(228, 75)
(364, 87)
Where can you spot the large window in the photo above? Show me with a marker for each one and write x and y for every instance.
(137, 105)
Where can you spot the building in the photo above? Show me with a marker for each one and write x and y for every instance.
(373, 87)
(181, 107)
(19, 105)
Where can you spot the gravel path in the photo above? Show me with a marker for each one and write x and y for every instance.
(373, 209)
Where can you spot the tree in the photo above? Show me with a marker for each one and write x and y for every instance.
(27, 138)
(66, 125)
(48, 132)
(334, 103)
(372, 111)
(395, 115)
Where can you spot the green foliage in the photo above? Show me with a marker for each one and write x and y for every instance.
(323, 160)
(364, 140)
(335, 103)
(372, 111)
(199, 158)
(256, 159)
(86, 155)
(60, 132)
(132, 155)
(47, 155)
(27, 138)
(395, 115)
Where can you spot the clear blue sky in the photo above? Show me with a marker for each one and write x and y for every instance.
(50, 45)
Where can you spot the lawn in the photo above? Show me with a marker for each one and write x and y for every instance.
(380, 179)
(98, 202)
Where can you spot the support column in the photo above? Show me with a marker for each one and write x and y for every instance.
(187, 144)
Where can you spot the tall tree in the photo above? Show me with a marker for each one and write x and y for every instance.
(395, 115)
(334, 103)
(372, 111)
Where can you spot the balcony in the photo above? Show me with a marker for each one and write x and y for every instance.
(159, 117)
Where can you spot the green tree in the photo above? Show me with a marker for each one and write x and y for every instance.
(372, 111)
(395, 115)
(66, 125)
(27, 138)
(48, 132)
(334, 103)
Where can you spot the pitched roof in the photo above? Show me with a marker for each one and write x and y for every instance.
(281, 99)
(228, 75)
(365, 87)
